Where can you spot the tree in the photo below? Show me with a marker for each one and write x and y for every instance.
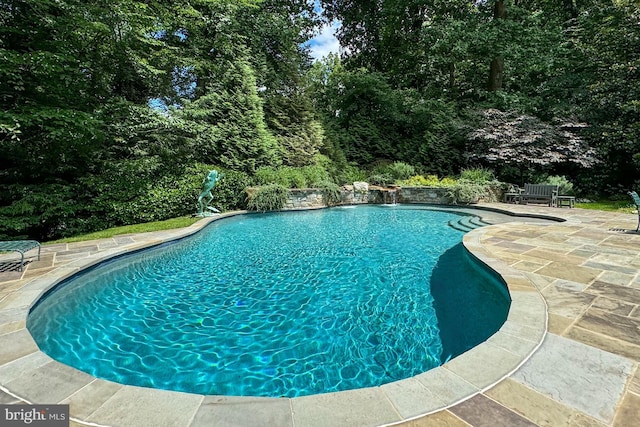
(496, 69)
(525, 142)
(607, 35)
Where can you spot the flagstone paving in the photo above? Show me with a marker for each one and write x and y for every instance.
(568, 354)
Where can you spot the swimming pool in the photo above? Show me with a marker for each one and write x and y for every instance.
(285, 304)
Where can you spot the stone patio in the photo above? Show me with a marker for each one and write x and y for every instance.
(567, 356)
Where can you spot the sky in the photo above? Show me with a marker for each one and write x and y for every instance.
(325, 42)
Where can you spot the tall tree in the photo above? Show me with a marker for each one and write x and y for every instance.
(496, 69)
(607, 34)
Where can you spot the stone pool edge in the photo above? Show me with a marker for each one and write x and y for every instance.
(31, 376)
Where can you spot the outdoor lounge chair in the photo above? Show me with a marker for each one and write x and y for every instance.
(20, 246)
(636, 200)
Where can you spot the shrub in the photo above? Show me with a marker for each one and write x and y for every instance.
(420, 181)
(267, 198)
(380, 179)
(288, 177)
(314, 175)
(331, 192)
(466, 191)
(565, 187)
(477, 175)
(399, 171)
(348, 174)
(266, 175)
(229, 192)
(447, 182)
(291, 177)
(428, 181)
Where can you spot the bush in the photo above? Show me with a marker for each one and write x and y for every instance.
(229, 192)
(331, 192)
(420, 181)
(348, 174)
(477, 175)
(465, 191)
(315, 175)
(380, 179)
(291, 177)
(396, 171)
(270, 197)
(399, 170)
(40, 212)
(565, 187)
(447, 182)
(266, 175)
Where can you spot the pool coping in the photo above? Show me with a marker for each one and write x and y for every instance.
(25, 371)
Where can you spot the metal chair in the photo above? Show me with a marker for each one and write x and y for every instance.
(636, 200)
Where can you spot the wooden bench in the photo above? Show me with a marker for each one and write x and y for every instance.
(20, 246)
(540, 193)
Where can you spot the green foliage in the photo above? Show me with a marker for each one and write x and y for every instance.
(266, 175)
(270, 197)
(315, 175)
(82, 149)
(428, 181)
(39, 212)
(347, 174)
(382, 179)
(400, 170)
(331, 192)
(396, 170)
(229, 193)
(480, 175)
(292, 177)
(623, 205)
(285, 176)
(565, 187)
(229, 123)
(465, 191)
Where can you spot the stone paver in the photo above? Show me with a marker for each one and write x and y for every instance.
(578, 279)
(577, 375)
(222, 411)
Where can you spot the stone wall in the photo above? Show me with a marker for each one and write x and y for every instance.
(308, 198)
(429, 195)
(304, 198)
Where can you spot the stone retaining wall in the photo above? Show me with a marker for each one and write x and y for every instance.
(429, 195)
(304, 198)
(307, 198)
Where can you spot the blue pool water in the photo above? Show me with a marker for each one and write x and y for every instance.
(280, 304)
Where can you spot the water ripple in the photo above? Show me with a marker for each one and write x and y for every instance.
(267, 305)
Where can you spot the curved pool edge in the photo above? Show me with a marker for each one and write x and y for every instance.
(24, 369)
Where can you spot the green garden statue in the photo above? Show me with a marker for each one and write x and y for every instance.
(205, 196)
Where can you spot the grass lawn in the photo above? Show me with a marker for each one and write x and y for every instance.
(179, 222)
(622, 206)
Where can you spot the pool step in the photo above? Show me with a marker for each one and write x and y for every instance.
(467, 223)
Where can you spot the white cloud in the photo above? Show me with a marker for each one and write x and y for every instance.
(325, 43)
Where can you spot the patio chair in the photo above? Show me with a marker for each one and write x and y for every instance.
(20, 246)
(636, 200)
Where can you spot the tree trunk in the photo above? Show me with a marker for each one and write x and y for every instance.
(495, 73)
(496, 69)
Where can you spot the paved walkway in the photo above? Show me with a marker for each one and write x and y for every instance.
(567, 356)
